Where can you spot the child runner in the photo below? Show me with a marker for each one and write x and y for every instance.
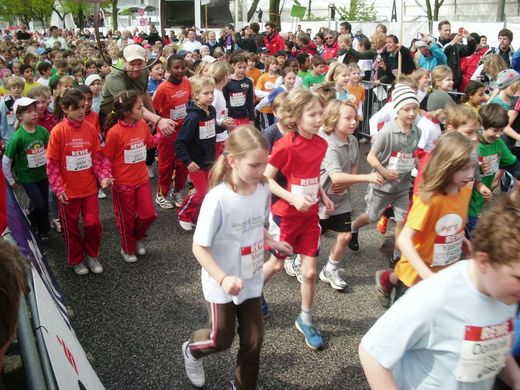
(264, 86)
(355, 87)
(454, 330)
(170, 101)
(338, 173)
(7, 115)
(229, 245)
(195, 147)
(508, 83)
(252, 71)
(393, 156)
(276, 131)
(239, 93)
(156, 77)
(315, 76)
(298, 156)
(128, 137)
(27, 148)
(289, 79)
(28, 75)
(338, 74)
(474, 95)
(45, 72)
(95, 83)
(442, 80)
(74, 161)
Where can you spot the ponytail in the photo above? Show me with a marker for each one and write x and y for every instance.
(124, 103)
(221, 171)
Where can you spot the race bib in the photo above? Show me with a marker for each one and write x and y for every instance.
(207, 129)
(237, 99)
(401, 162)
(178, 112)
(135, 155)
(484, 351)
(79, 161)
(306, 187)
(36, 157)
(447, 248)
(11, 118)
(252, 259)
(493, 161)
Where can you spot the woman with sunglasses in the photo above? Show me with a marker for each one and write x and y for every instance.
(330, 48)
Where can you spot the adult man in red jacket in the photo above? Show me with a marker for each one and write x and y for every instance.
(273, 41)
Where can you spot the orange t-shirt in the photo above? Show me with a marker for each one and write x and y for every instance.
(93, 118)
(75, 148)
(254, 74)
(126, 148)
(266, 83)
(170, 100)
(358, 92)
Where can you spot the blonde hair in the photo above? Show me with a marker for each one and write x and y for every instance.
(278, 101)
(460, 115)
(326, 91)
(14, 81)
(198, 83)
(345, 39)
(493, 65)
(335, 69)
(240, 142)
(406, 80)
(219, 70)
(332, 113)
(378, 39)
(297, 100)
(269, 60)
(418, 74)
(439, 73)
(453, 152)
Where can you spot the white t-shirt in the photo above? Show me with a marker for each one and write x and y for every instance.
(430, 132)
(222, 113)
(190, 46)
(232, 226)
(443, 334)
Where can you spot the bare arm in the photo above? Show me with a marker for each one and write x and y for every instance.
(301, 203)
(405, 244)
(388, 174)
(378, 377)
(510, 374)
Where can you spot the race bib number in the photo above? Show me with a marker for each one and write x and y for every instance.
(79, 161)
(11, 118)
(237, 99)
(252, 259)
(178, 112)
(484, 351)
(36, 157)
(447, 248)
(306, 187)
(493, 161)
(135, 155)
(401, 162)
(207, 129)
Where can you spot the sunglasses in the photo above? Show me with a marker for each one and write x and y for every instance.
(329, 38)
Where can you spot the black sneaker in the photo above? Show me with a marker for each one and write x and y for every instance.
(265, 307)
(392, 261)
(354, 243)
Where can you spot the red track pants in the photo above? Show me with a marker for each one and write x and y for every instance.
(167, 162)
(190, 208)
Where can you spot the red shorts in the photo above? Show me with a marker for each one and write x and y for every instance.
(303, 233)
(241, 121)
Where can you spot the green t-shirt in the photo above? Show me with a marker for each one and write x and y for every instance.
(28, 150)
(498, 155)
(302, 74)
(310, 80)
(118, 81)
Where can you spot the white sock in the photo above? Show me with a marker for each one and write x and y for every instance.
(332, 265)
(306, 315)
(298, 260)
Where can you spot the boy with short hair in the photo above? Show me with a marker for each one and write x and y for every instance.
(316, 76)
(15, 86)
(252, 71)
(62, 68)
(27, 72)
(44, 69)
(455, 329)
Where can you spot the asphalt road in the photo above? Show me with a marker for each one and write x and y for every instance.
(133, 318)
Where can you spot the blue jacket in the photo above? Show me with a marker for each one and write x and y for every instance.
(437, 58)
(7, 119)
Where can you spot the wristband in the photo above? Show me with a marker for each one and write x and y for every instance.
(221, 280)
(157, 121)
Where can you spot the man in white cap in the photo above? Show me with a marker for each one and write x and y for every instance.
(133, 77)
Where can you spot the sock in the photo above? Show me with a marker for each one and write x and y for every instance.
(397, 253)
(298, 260)
(306, 316)
(188, 353)
(353, 229)
(332, 265)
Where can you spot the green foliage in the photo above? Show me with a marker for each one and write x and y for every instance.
(358, 10)
(314, 18)
(26, 10)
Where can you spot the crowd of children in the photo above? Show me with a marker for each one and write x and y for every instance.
(435, 165)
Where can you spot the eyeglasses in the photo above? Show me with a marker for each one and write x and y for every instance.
(329, 38)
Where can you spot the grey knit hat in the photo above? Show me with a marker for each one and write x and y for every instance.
(506, 78)
(439, 99)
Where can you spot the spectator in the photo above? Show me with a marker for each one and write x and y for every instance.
(390, 58)
(430, 55)
(55, 37)
(469, 64)
(504, 50)
(331, 47)
(273, 41)
(191, 43)
(346, 28)
(227, 40)
(246, 41)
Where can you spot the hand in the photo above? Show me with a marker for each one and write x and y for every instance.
(232, 285)
(167, 126)
(229, 123)
(301, 203)
(339, 188)
(107, 182)
(485, 192)
(63, 198)
(376, 178)
(456, 39)
(329, 204)
(390, 174)
(193, 167)
(282, 247)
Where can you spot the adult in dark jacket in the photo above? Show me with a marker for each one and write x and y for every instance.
(246, 41)
(390, 57)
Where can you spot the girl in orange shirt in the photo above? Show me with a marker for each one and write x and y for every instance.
(355, 87)
(127, 139)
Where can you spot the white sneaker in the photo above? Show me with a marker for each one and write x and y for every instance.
(151, 173)
(80, 269)
(333, 278)
(128, 258)
(94, 265)
(56, 225)
(141, 250)
(293, 267)
(194, 367)
(101, 194)
(177, 198)
(163, 202)
(187, 226)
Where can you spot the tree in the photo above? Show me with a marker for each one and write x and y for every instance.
(358, 10)
(26, 10)
(274, 12)
(252, 9)
(433, 14)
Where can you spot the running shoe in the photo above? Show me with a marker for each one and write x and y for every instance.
(293, 268)
(311, 333)
(383, 287)
(186, 226)
(393, 260)
(140, 249)
(333, 278)
(354, 243)
(94, 265)
(194, 367)
(101, 194)
(382, 224)
(177, 198)
(163, 202)
(128, 258)
(56, 225)
(80, 269)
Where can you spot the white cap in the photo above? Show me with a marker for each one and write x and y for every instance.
(22, 102)
(134, 52)
(209, 59)
(91, 78)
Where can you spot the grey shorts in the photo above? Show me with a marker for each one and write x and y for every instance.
(377, 201)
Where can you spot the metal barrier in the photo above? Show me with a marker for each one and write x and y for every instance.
(376, 96)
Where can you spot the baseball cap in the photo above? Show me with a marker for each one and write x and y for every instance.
(209, 59)
(22, 102)
(91, 78)
(134, 52)
(421, 43)
(262, 50)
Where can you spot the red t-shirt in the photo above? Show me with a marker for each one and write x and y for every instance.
(48, 121)
(75, 148)
(170, 100)
(93, 118)
(126, 148)
(299, 159)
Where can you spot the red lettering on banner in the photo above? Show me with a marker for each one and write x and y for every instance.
(68, 354)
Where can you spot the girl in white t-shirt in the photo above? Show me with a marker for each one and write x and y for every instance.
(229, 245)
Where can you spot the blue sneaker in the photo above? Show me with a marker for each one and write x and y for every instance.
(312, 335)
(265, 307)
